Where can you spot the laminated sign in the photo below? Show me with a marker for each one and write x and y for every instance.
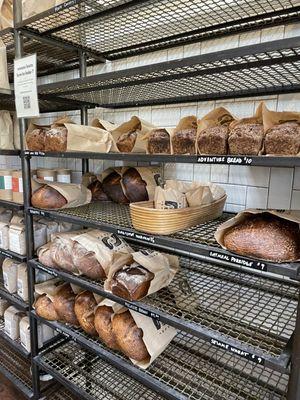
(25, 77)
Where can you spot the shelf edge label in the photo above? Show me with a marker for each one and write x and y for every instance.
(239, 352)
(243, 262)
(229, 160)
(135, 235)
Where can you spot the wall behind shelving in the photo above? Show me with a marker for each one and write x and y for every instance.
(246, 186)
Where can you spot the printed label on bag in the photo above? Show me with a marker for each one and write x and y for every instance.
(237, 351)
(64, 178)
(135, 235)
(230, 160)
(17, 185)
(5, 182)
(261, 266)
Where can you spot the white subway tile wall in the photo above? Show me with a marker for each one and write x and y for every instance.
(246, 186)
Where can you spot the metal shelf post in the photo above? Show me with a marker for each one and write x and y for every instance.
(26, 174)
(84, 111)
(294, 382)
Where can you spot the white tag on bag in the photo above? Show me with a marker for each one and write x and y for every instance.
(25, 78)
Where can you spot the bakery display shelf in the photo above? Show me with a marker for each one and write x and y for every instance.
(16, 369)
(197, 241)
(261, 69)
(251, 315)
(189, 368)
(123, 28)
(267, 161)
(12, 254)
(11, 205)
(15, 344)
(12, 298)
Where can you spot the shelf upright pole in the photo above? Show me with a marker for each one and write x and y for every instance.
(84, 110)
(294, 382)
(26, 174)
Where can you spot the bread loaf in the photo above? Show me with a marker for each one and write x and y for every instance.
(184, 136)
(98, 193)
(86, 262)
(44, 308)
(103, 325)
(56, 139)
(159, 142)
(44, 256)
(134, 186)
(129, 337)
(113, 188)
(127, 134)
(61, 252)
(48, 198)
(85, 304)
(283, 139)
(36, 139)
(131, 283)
(265, 236)
(246, 139)
(64, 303)
(213, 140)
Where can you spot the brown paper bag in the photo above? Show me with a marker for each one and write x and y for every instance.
(102, 124)
(246, 135)
(282, 132)
(183, 137)
(33, 7)
(88, 138)
(4, 82)
(128, 137)
(6, 131)
(76, 195)
(165, 199)
(163, 266)
(293, 216)
(50, 288)
(156, 339)
(6, 14)
(212, 132)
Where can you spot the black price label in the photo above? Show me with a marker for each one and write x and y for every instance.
(243, 262)
(141, 310)
(48, 271)
(5, 254)
(228, 160)
(135, 235)
(38, 212)
(35, 153)
(239, 352)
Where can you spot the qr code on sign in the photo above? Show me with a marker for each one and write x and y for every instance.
(26, 102)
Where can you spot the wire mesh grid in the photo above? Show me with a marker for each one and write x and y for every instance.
(141, 25)
(188, 365)
(61, 394)
(189, 79)
(15, 365)
(96, 377)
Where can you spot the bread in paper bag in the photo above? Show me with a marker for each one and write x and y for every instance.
(44, 294)
(35, 136)
(269, 235)
(158, 141)
(184, 136)
(212, 132)
(282, 132)
(85, 304)
(166, 199)
(149, 272)
(56, 195)
(103, 325)
(246, 135)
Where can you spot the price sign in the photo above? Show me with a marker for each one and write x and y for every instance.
(25, 78)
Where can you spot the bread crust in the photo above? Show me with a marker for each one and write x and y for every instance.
(103, 326)
(44, 308)
(85, 304)
(48, 198)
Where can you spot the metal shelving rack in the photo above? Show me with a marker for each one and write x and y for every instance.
(251, 345)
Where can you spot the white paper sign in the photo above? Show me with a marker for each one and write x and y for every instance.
(25, 78)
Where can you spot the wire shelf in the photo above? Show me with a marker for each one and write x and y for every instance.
(15, 344)
(60, 393)
(16, 369)
(120, 28)
(189, 367)
(198, 241)
(253, 313)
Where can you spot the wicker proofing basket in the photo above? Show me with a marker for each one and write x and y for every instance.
(146, 218)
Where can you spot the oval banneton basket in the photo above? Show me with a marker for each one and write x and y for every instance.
(148, 219)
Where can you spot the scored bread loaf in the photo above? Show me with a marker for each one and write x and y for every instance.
(35, 139)
(85, 304)
(44, 308)
(86, 262)
(103, 325)
(56, 139)
(127, 134)
(134, 186)
(98, 193)
(113, 188)
(283, 139)
(184, 136)
(131, 282)
(159, 142)
(213, 140)
(61, 252)
(246, 139)
(48, 198)
(64, 303)
(129, 337)
(265, 236)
